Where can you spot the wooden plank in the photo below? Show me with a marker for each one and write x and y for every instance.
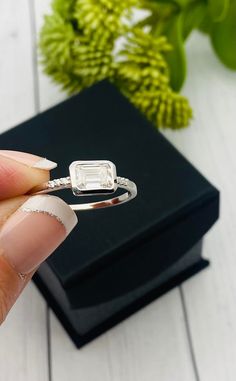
(17, 102)
(23, 340)
(210, 144)
(150, 345)
(23, 337)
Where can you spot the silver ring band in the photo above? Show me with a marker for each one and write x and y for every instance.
(67, 183)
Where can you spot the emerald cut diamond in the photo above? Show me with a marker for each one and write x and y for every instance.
(93, 177)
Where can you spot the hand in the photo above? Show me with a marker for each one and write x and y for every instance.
(30, 227)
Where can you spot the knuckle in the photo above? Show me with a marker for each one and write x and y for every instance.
(8, 175)
(6, 171)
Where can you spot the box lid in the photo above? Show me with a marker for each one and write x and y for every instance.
(100, 123)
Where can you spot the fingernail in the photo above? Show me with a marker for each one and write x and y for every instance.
(35, 230)
(29, 159)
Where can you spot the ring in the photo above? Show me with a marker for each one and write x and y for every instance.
(89, 178)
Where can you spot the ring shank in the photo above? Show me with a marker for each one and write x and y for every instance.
(64, 183)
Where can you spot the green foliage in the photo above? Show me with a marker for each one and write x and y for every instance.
(100, 20)
(79, 40)
(223, 37)
(67, 54)
(143, 76)
(64, 8)
(176, 19)
(177, 58)
(218, 9)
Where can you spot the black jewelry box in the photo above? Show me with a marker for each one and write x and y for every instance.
(118, 259)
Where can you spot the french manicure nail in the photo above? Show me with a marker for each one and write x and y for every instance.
(45, 164)
(29, 159)
(34, 231)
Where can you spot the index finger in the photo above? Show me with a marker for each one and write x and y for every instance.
(19, 172)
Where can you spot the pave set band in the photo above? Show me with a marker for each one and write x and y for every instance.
(91, 178)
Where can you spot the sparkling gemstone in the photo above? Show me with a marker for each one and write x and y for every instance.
(92, 176)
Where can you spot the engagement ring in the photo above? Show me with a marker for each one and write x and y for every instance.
(89, 178)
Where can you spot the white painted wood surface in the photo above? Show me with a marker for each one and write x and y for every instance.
(23, 338)
(189, 334)
(211, 145)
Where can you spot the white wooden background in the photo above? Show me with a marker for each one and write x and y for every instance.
(190, 333)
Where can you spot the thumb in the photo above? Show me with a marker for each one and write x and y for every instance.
(28, 237)
(20, 171)
(31, 228)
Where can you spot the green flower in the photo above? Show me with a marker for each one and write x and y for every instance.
(78, 44)
(143, 76)
(101, 20)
